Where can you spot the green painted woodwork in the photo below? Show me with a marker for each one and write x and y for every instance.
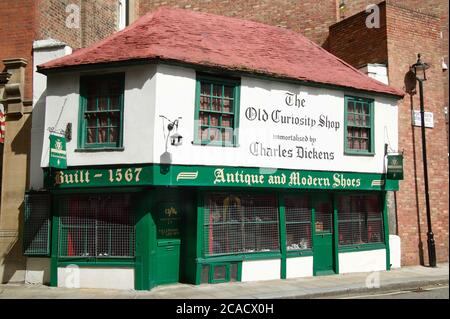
(82, 121)
(282, 226)
(168, 261)
(323, 258)
(213, 176)
(370, 104)
(211, 80)
(361, 247)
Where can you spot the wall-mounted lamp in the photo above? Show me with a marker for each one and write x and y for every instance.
(68, 133)
(175, 139)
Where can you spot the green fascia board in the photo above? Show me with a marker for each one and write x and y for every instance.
(214, 176)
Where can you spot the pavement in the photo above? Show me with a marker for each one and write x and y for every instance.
(412, 277)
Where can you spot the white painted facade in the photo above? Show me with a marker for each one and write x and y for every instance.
(362, 261)
(378, 72)
(155, 90)
(395, 251)
(43, 51)
(299, 267)
(256, 270)
(98, 277)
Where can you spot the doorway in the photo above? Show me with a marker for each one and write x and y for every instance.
(323, 235)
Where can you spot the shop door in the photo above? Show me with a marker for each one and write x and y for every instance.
(323, 248)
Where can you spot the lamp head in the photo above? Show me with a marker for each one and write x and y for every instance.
(420, 68)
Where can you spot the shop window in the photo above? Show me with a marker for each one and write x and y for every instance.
(359, 131)
(217, 106)
(237, 224)
(101, 111)
(36, 235)
(298, 222)
(360, 219)
(96, 226)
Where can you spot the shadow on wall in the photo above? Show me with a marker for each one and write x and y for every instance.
(13, 261)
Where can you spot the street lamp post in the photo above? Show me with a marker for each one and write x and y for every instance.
(419, 70)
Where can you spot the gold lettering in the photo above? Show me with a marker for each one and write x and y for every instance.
(219, 176)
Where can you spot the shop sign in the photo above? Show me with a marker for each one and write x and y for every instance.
(57, 152)
(212, 176)
(395, 167)
(168, 222)
(429, 119)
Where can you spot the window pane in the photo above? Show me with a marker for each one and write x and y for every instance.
(240, 224)
(298, 222)
(227, 121)
(351, 106)
(96, 226)
(102, 133)
(360, 219)
(103, 103)
(228, 106)
(203, 118)
(228, 92)
(215, 118)
(114, 102)
(91, 135)
(205, 89)
(227, 135)
(214, 134)
(113, 135)
(205, 102)
(203, 134)
(217, 104)
(217, 90)
(91, 103)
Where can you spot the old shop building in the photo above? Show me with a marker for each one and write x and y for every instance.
(207, 149)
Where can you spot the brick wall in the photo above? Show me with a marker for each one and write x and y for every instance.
(311, 18)
(352, 41)
(97, 20)
(409, 33)
(17, 24)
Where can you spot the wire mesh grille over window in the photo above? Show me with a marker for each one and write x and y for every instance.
(36, 238)
(360, 220)
(96, 226)
(298, 222)
(240, 224)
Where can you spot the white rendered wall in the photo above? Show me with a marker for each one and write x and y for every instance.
(98, 277)
(176, 98)
(377, 72)
(261, 270)
(395, 251)
(299, 267)
(62, 107)
(38, 271)
(43, 51)
(362, 261)
(153, 91)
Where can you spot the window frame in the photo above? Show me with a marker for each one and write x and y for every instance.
(226, 81)
(362, 246)
(370, 102)
(82, 127)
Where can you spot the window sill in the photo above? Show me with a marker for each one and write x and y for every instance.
(299, 253)
(352, 153)
(361, 247)
(100, 149)
(214, 144)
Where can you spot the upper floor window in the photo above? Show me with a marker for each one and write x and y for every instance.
(217, 111)
(101, 111)
(359, 132)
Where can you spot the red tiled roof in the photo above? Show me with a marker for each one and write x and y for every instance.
(224, 42)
